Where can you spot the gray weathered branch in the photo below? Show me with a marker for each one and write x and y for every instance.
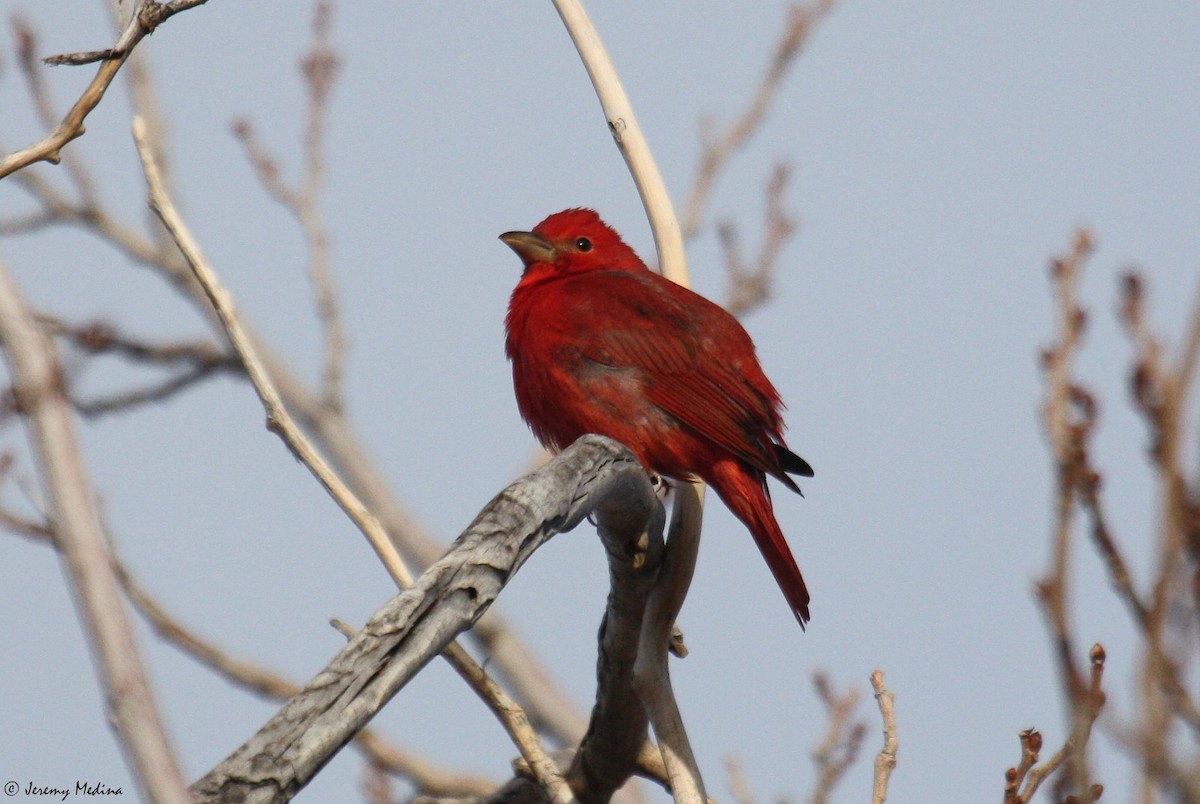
(415, 625)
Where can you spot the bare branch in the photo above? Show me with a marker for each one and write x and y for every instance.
(651, 674)
(1031, 744)
(421, 621)
(100, 336)
(1031, 747)
(843, 738)
(26, 41)
(42, 101)
(279, 420)
(128, 400)
(1161, 391)
(77, 531)
(198, 360)
(148, 16)
(750, 285)
(668, 241)
(1070, 417)
(428, 778)
(319, 68)
(885, 760)
(717, 150)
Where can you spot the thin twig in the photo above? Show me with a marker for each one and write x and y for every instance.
(717, 150)
(128, 400)
(1161, 391)
(885, 760)
(843, 738)
(1069, 417)
(197, 361)
(39, 92)
(319, 68)
(1031, 748)
(750, 284)
(279, 421)
(1031, 741)
(100, 336)
(148, 16)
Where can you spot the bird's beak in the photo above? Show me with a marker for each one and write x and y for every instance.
(531, 248)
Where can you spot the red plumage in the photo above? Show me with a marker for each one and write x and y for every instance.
(599, 343)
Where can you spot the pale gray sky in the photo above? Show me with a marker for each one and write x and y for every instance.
(942, 153)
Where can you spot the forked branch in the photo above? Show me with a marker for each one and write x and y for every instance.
(147, 16)
(418, 623)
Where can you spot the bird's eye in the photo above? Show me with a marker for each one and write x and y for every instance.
(583, 244)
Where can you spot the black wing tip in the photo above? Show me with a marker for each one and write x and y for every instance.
(792, 463)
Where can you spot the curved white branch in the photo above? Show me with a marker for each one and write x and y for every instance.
(668, 240)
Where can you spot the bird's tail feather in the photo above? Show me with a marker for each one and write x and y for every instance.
(745, 493)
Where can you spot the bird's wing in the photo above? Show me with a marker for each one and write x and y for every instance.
(696, 361)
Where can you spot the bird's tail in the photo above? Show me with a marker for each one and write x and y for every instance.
(744, 491)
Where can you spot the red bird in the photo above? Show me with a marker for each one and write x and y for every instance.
(599, 343)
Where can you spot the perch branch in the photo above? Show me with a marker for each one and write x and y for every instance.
(608, 754)
(419, 622)
(651, 674)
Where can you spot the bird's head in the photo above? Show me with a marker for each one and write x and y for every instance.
(572, 241)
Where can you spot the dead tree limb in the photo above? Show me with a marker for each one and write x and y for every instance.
(415, 625)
